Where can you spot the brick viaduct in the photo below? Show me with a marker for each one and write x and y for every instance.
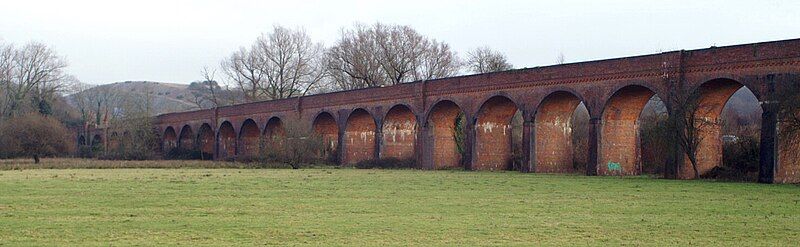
(416, 120)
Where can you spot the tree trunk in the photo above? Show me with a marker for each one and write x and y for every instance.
(693, 160)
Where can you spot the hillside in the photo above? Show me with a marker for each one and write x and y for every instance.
(166, 97)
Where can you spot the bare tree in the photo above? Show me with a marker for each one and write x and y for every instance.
(29, 77)
(244, 70)
(99, 104)
(485, 60)
(206, 92)
(560, 59)
(438, 62)
(690, 123)
(281, 64)
(353, 61)
(788, 102)
(377, 55)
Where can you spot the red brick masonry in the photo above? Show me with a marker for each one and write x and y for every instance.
(415, 120)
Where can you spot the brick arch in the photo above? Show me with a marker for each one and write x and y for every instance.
(226, 135)
(610, 94)
(170, 139)
(497, 95)
(249, 135)
(445, 100)
(493, 135)
(399, 130)
(555, 89)
(97, 141)
(186, 137)
(751, 84)
(712, 95)
(359, 137)
(620, 144)
(274, 131)
(442, 147)
(205, 141)
(326, 128)
(553, 128)
(113, 141)
(126, 139)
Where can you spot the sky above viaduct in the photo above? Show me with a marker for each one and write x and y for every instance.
(170, 41)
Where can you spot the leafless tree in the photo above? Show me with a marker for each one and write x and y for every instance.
(485, 60)
(353, 61)
(438, 62)
(98, 104)
(281, 64)
(689, 121)
(788, 102)
(29, 77)
(560, 59)
(377, 55)
(206, 92)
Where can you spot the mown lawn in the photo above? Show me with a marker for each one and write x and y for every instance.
(325, 206)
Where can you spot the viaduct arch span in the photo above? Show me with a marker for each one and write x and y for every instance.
(416, 120)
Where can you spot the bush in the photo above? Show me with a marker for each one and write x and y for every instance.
(185, 154)
(34, 135)
(742, 155)
(740, 161)
(294, 145)
(386, 163)
(728, 174)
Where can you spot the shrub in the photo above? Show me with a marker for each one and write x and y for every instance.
(386, 163)
(293, 145)
(34, 135)
(740, 161)
(185, 154)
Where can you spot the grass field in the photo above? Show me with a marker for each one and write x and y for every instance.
(325, 206)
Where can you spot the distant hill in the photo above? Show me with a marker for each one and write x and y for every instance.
(166, 97)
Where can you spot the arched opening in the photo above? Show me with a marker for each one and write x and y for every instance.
(113, 142)
(170, 139)
(126, 140)
(495, 135)
(227, 140)
(81, 141)
(186, 138)
(205, 141)
(274, 133)
(97, 143)
(446, 123)
(249, 136)
(620, 149)
(561, 134)
(326, 128)
(359, 137)
(727, 119)
(399, 133)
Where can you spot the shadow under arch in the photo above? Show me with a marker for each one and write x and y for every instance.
(399, 130)
(557, 120)
(445, 137)
(494, 147)
(226, 136)
(359, 137)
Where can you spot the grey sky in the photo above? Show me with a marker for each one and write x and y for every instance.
(170, 41)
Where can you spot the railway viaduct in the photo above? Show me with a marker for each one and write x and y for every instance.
(416, 120)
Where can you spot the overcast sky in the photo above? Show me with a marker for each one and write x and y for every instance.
(170, 41)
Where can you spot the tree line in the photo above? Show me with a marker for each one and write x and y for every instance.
(286, 62)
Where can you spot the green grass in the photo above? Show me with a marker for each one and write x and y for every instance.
(385, 207)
